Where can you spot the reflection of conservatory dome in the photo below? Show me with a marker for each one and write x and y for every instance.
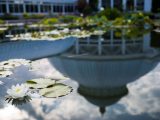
(98, 63)
(103, 98)
(97, 47)
(103, 73)
(103, 70)
(96, 70)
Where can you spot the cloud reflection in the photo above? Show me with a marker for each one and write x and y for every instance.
(142, 102)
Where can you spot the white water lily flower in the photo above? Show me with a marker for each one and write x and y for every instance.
(102, 8)
(66, 30)
(98, 32)
(77, 30)
(18, 91)
(27, 35)
(42, 33)
(46, 33)
(55, 32)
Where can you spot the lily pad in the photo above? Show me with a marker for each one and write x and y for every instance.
(10, 64)
(57, 90)
(5, 73)
(40, 83)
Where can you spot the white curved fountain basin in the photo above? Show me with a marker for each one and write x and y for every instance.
(34, 49)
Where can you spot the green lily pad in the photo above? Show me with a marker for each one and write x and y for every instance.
(31, 82)
(57, 90)
(40, 83)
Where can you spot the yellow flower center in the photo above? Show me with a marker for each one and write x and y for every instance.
(18, 90)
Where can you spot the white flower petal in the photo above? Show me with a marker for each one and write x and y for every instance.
(17, 91)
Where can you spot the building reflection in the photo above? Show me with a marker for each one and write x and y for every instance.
(113, 43)
(104, 66)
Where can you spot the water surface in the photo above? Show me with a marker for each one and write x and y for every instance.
(114, 77)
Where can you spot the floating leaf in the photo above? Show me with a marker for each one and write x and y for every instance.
(10, 64)
(57, 90)
(40, 83)
(6, 67)
(5, 73)
(31, 82)
(18, 101)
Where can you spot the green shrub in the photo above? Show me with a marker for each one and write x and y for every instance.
(25, 15)
(134, 19)
(135, 32)
(120, 21)
(1, 22)
(87, 10)
(138, 19)
(93, 4)
(2, 32)
(96, 19)
(81, 4)
(68, 19)
(33, 16)
(111, 14)
(79, 20)
(100, 21)
(148, 14)
(49, 21)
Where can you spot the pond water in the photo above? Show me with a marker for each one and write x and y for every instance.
(114, 77)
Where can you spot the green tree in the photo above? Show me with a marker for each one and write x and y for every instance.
(81, 5)
(93, 4)
(156, 6)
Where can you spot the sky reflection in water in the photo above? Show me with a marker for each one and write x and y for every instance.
(142, 102)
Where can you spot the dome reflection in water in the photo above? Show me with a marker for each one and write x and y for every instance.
(104, 65)
(112, 72)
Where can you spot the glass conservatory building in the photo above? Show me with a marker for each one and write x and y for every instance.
(18, 7)
(127, 5)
